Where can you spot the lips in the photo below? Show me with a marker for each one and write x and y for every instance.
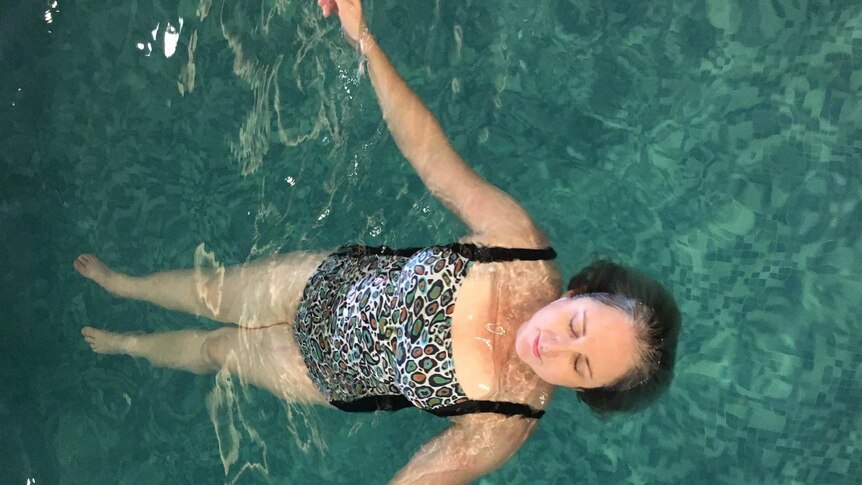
(536, 348)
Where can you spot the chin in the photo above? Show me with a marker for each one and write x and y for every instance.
(519, 349)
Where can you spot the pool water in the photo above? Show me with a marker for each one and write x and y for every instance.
(714, 144)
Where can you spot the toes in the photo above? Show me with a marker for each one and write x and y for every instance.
(89, 334)
(81, 263)
(84, 260)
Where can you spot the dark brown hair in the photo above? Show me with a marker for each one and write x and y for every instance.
(655, 312)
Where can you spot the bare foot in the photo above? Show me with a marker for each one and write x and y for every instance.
(104, 342)
(91, 267)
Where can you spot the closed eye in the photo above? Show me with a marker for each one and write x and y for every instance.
(583, 334)
(578, 358)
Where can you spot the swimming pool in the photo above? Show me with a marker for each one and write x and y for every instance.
(713, 144)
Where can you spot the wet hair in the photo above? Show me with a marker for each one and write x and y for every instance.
(656, 320)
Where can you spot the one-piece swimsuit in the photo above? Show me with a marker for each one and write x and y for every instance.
(374, 327)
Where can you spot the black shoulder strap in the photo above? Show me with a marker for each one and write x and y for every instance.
(370, 404)
(397, 402)
(488, 254)
(358, 251)
(481, 254)
(498, 407)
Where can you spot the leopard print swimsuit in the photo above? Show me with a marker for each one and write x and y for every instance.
(373, 327)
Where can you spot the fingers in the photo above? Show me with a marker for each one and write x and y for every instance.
(328, 7)
(349, 5)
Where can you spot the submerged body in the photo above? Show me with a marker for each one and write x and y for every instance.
(477, 335)
(264, 298)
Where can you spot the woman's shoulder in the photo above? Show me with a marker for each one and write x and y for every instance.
(523, 240)
(529, 273)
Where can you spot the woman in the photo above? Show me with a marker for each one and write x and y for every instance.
(475, 331)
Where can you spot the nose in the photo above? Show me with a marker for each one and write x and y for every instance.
(558, 345)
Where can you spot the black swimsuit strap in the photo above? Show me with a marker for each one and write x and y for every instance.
(499, 407)
(358, 251)
(369, 404)
(481, 254)
(490, 254)
(397, 402)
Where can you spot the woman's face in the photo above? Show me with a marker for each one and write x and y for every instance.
(578, 343)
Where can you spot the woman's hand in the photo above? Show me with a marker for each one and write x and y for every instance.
(350, 14)
(328, 7)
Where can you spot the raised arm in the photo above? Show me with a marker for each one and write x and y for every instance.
(485, 209)
(473, 446)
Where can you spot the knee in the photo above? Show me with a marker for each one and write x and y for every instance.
(210, 285)
(216, 347)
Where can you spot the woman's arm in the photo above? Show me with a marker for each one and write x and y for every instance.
(473, 446)
(485, 209)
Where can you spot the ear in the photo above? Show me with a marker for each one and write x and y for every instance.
(568, 294)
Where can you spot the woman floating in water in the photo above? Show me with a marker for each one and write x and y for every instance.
(475, 330)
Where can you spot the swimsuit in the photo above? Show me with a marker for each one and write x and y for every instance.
(373, 327)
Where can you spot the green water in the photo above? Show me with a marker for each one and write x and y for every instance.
(715, 144)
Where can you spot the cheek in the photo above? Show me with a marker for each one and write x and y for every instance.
(557, 371)
(531, 326)
(555, 367)
(544, 318)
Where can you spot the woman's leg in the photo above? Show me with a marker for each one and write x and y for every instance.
(268, 358)
(184, 349)
(260, 293)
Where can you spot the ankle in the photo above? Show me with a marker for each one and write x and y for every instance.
(122, 284)
(130, 343)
